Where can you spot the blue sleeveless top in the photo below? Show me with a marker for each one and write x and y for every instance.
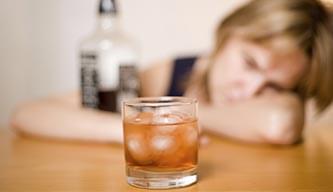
(182, 68)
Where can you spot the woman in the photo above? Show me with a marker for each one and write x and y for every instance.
(270, 57)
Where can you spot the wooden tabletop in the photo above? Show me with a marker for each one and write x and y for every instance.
(30, 164)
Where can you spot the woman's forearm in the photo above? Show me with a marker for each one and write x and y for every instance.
(56, 119)
(277, 120)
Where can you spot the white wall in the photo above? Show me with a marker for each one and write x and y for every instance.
(39, 38)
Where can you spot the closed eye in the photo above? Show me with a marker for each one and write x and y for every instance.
(250, 62)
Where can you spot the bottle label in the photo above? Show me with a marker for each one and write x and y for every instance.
(129, 83)
(89, 80)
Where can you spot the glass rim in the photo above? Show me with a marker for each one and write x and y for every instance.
(159, 101)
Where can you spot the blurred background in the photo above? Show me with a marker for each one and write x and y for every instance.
(39, 39)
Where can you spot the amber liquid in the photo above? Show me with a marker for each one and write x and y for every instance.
(161, 147)
(107, 100)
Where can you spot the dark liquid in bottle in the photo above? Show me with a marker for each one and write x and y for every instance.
(107, 100)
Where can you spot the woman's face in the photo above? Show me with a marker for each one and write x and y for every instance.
(244, 69)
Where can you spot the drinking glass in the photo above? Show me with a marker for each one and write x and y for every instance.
(161, 142)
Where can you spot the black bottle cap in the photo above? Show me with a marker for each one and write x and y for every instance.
(107, 7)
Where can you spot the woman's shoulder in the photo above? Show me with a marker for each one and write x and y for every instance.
(156, 78)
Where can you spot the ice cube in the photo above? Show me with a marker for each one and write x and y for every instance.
(190, 134)
(165, 146)
(172, 157)
(143, 118)
(138, 148)
(161, 142)
(166, 118)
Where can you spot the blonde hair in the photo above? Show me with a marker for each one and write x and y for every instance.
(307, 23)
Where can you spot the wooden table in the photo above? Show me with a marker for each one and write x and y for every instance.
(29, 164)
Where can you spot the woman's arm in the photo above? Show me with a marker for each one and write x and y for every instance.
(275, 118)
(63, 117)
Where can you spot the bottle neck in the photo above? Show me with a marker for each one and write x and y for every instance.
(107, 22)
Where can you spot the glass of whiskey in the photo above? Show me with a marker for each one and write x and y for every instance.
(161, 142)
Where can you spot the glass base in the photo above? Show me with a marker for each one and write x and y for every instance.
(160, 180)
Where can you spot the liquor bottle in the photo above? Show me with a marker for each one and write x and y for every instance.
(109, 63)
